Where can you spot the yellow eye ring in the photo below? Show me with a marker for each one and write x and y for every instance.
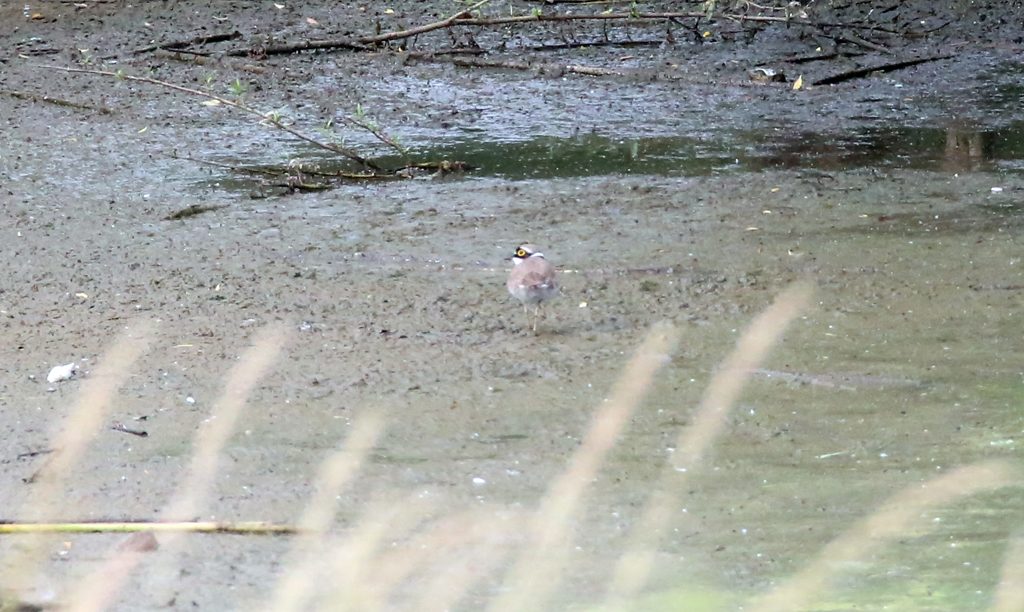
(521, 253)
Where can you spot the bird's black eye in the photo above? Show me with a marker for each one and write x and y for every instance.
(520, 252)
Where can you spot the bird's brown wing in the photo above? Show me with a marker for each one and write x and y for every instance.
(536, 279)
(540, 274)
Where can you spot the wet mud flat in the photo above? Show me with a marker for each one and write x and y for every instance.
(393, 295)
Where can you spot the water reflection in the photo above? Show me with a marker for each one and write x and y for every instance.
(957, 147)
(953, 148)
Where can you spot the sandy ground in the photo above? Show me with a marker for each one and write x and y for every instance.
(393, 298)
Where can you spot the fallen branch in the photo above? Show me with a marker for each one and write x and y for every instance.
(863, 72)
(560, 17)
(589, 44)
(25, 95)
(197, 58)
(367, 43)
(437, 25)
(470, 62)
(658, 17)
(361, 44)
(196, 40)
(309, 45)
(291, 174)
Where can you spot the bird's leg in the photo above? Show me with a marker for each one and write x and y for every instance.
(536, 316)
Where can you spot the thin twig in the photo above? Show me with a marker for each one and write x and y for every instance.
(239, 528)
(460, 19)
(560, 17)
(377, 133)
(343, 151)
(471, 62)
(25, 95)
(437, 25)
(850, 37)
(588, 44)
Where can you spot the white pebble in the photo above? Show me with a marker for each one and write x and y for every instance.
(61, 372)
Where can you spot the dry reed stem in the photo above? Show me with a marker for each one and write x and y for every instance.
(895, 518)
(350, 562)
(634, 567)
(74, 435)
(98, 590)
(307, 552)
(1010, 590)
(539, 566)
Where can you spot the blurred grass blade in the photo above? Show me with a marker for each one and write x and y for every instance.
(486, 550)
(1010, 590)
(74, 435)
(725, 387)
(537, 570)
(350, 561)
(98, 590)
(898, 515)
(308, 550)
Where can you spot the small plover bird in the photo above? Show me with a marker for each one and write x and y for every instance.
(532, 280)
